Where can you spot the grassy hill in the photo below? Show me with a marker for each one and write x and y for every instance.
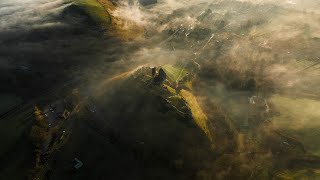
(134, 133)
(96, 11)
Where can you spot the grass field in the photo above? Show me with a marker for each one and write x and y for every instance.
(175, 73)
(200, 118)
(8, 101)
(15, 149)
(11, 129)
(97, 12)
(300, 118)
(304, 174)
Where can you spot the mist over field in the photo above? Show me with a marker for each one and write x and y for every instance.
(256, 85)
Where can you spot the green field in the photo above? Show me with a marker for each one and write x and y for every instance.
(96, 11)
(304, 174)
(299, 117)
(12, 128)
(175, 73)
(8, 101)
(15, 149)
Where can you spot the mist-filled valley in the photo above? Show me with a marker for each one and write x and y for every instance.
(160, 89)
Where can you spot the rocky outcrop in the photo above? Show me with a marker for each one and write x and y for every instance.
(160, 77)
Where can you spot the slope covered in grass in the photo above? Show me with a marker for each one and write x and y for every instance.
(200, 118)
(96, 11)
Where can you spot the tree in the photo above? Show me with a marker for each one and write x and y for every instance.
(40, 120)
(39, 131)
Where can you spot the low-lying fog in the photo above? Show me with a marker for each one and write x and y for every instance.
(273, 42)
(263, 48)
(267, 48)
(237, 34)
(45, 42)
